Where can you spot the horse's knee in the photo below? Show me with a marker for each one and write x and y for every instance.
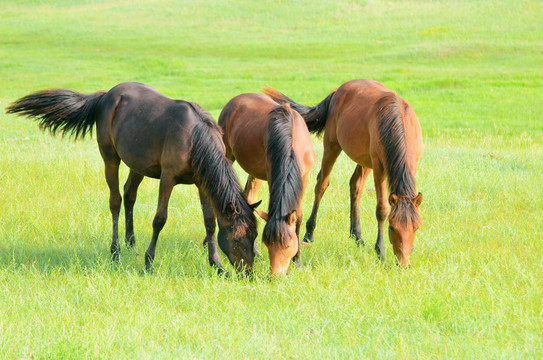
(115, 203)
(354, 182)
(210, 228)
(128, 205)
(159, 221)
(381, 212)
(127, 195)
(320, 188)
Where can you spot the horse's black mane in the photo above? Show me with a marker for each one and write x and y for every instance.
(401, 180)
(286, 180)
(213, 172)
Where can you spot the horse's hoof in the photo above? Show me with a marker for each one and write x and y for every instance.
(357, 239)
(225, 274)
(146, 272)
(148, 267)
(380, 254)
(130, 241)
(308, 239)
(401, 267)
(115, 257)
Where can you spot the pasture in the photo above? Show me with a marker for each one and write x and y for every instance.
(470, 69)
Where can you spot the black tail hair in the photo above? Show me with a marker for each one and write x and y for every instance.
(315, 117)
(61, 110)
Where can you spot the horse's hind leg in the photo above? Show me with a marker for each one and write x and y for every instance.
(358, 180)
(331, 152)
(112, 161)
(251, 191)
(167, 182)
(130, 193)
(211, 239)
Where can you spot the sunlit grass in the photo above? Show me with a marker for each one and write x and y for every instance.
(470, 69)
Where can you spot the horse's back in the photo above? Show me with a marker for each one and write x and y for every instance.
(244, 123)
(245, 108)
(148, 130)
(356, 121)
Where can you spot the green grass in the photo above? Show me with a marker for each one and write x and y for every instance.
(471, 70)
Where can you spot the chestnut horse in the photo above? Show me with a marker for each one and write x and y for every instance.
(271, 143)
(378, 130)
(172, 140)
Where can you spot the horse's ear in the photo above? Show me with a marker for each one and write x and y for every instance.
(393, 199)
(417, 200)
(255, 205)
(292, 217)
(263, 215)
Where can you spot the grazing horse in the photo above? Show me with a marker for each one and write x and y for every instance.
(271, 143)
(378, 130)
(175, 141)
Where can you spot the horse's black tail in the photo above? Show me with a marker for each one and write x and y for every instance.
(315, 117)
(61, 110)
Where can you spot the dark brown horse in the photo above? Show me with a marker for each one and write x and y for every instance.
(271, 143)
(172, 140)
(378, 130)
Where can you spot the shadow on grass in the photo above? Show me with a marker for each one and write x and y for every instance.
(55, 256)
(175, 258)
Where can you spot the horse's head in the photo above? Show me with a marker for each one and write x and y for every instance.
(236, 237)
(281, 240)
(404, 220)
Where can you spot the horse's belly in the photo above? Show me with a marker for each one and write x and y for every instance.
(358, 151)
(251, 156)
(363, 160)
(152, 171)
(255, 168)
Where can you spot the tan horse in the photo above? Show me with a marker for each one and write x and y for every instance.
(378, 130)
(271, 143)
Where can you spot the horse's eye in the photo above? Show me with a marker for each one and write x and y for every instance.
(390, 228)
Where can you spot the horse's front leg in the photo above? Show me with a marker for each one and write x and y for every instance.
(358, 180)
(299, 220)
(130, 193)
(381, 210)
(111, 162)
(251, 191)
(211, 239)
(331, 152)
(167, 182)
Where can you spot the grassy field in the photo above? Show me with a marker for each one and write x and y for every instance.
(471, 70)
